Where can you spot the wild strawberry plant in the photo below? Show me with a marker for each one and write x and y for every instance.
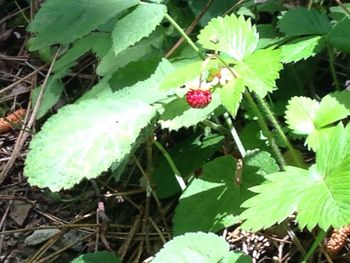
(236, 66)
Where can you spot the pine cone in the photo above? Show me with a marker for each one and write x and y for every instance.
(13, 119)
(337, 240)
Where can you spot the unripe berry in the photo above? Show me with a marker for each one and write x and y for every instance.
(198, 98)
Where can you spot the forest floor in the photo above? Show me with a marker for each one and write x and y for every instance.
(37, 225)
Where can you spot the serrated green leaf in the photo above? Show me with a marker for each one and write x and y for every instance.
(191, 116)
(232, 35)
(135, 71)
(193, 247)
(52, 94)
(188, 156)
(148, 90)
(320, 194)
(62, 22)
(82, 140)
(110, 62)
(302, 48)
(260, 70)
(333, 107)
(100, 90)
(300, 115)
(334, 151)
(301, 21)
(128, 30)
(97, 257)
(223, 196)
(98, 42)
(309, 117)
(231, 95)
(339, 36)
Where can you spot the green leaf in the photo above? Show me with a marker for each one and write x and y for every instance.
(276, 200)
(333, 107)
(135, 71)
(98, 42)
(136, 25)
(232, 35)
(191, 116)
(100, 90)
(301, 48)
(260, 70)
(148, 90)
(300, 21)
(300, 115)
(110, 63)
(223, 196)
(62, 22)
(337, 12)
(97, 257)
(309, 117)
(193, 247)
(231, 95)
(52, 93)
(82, 140)
(188, 156)
(320, 194)
(186, 73)
(333, 155)
(236, 257)
(339, 37)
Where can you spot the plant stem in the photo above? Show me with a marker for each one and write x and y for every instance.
(279, 130)
(265, 129)
(234, 134)
(320, 236)
(183, 34)
(172, 164)
(331, 64)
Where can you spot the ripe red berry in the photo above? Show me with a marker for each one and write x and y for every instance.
(198, 98)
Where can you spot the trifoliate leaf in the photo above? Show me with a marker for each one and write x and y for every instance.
(301, 21)
(136, 25)
(302, 48)
(309, 117)
(320, 195)
(232, 35)
(339, 36)
(191, 116)
(231, 95)
(193, 247)
(62, 22)
(300, 115)
(97, 257)
(223, 188)
(260, 70)
(82, 140)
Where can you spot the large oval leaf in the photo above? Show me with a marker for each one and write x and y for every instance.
(65, 21)
(83, 140)
(136, 25)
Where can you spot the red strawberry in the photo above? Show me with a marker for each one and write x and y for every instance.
(198, 98)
